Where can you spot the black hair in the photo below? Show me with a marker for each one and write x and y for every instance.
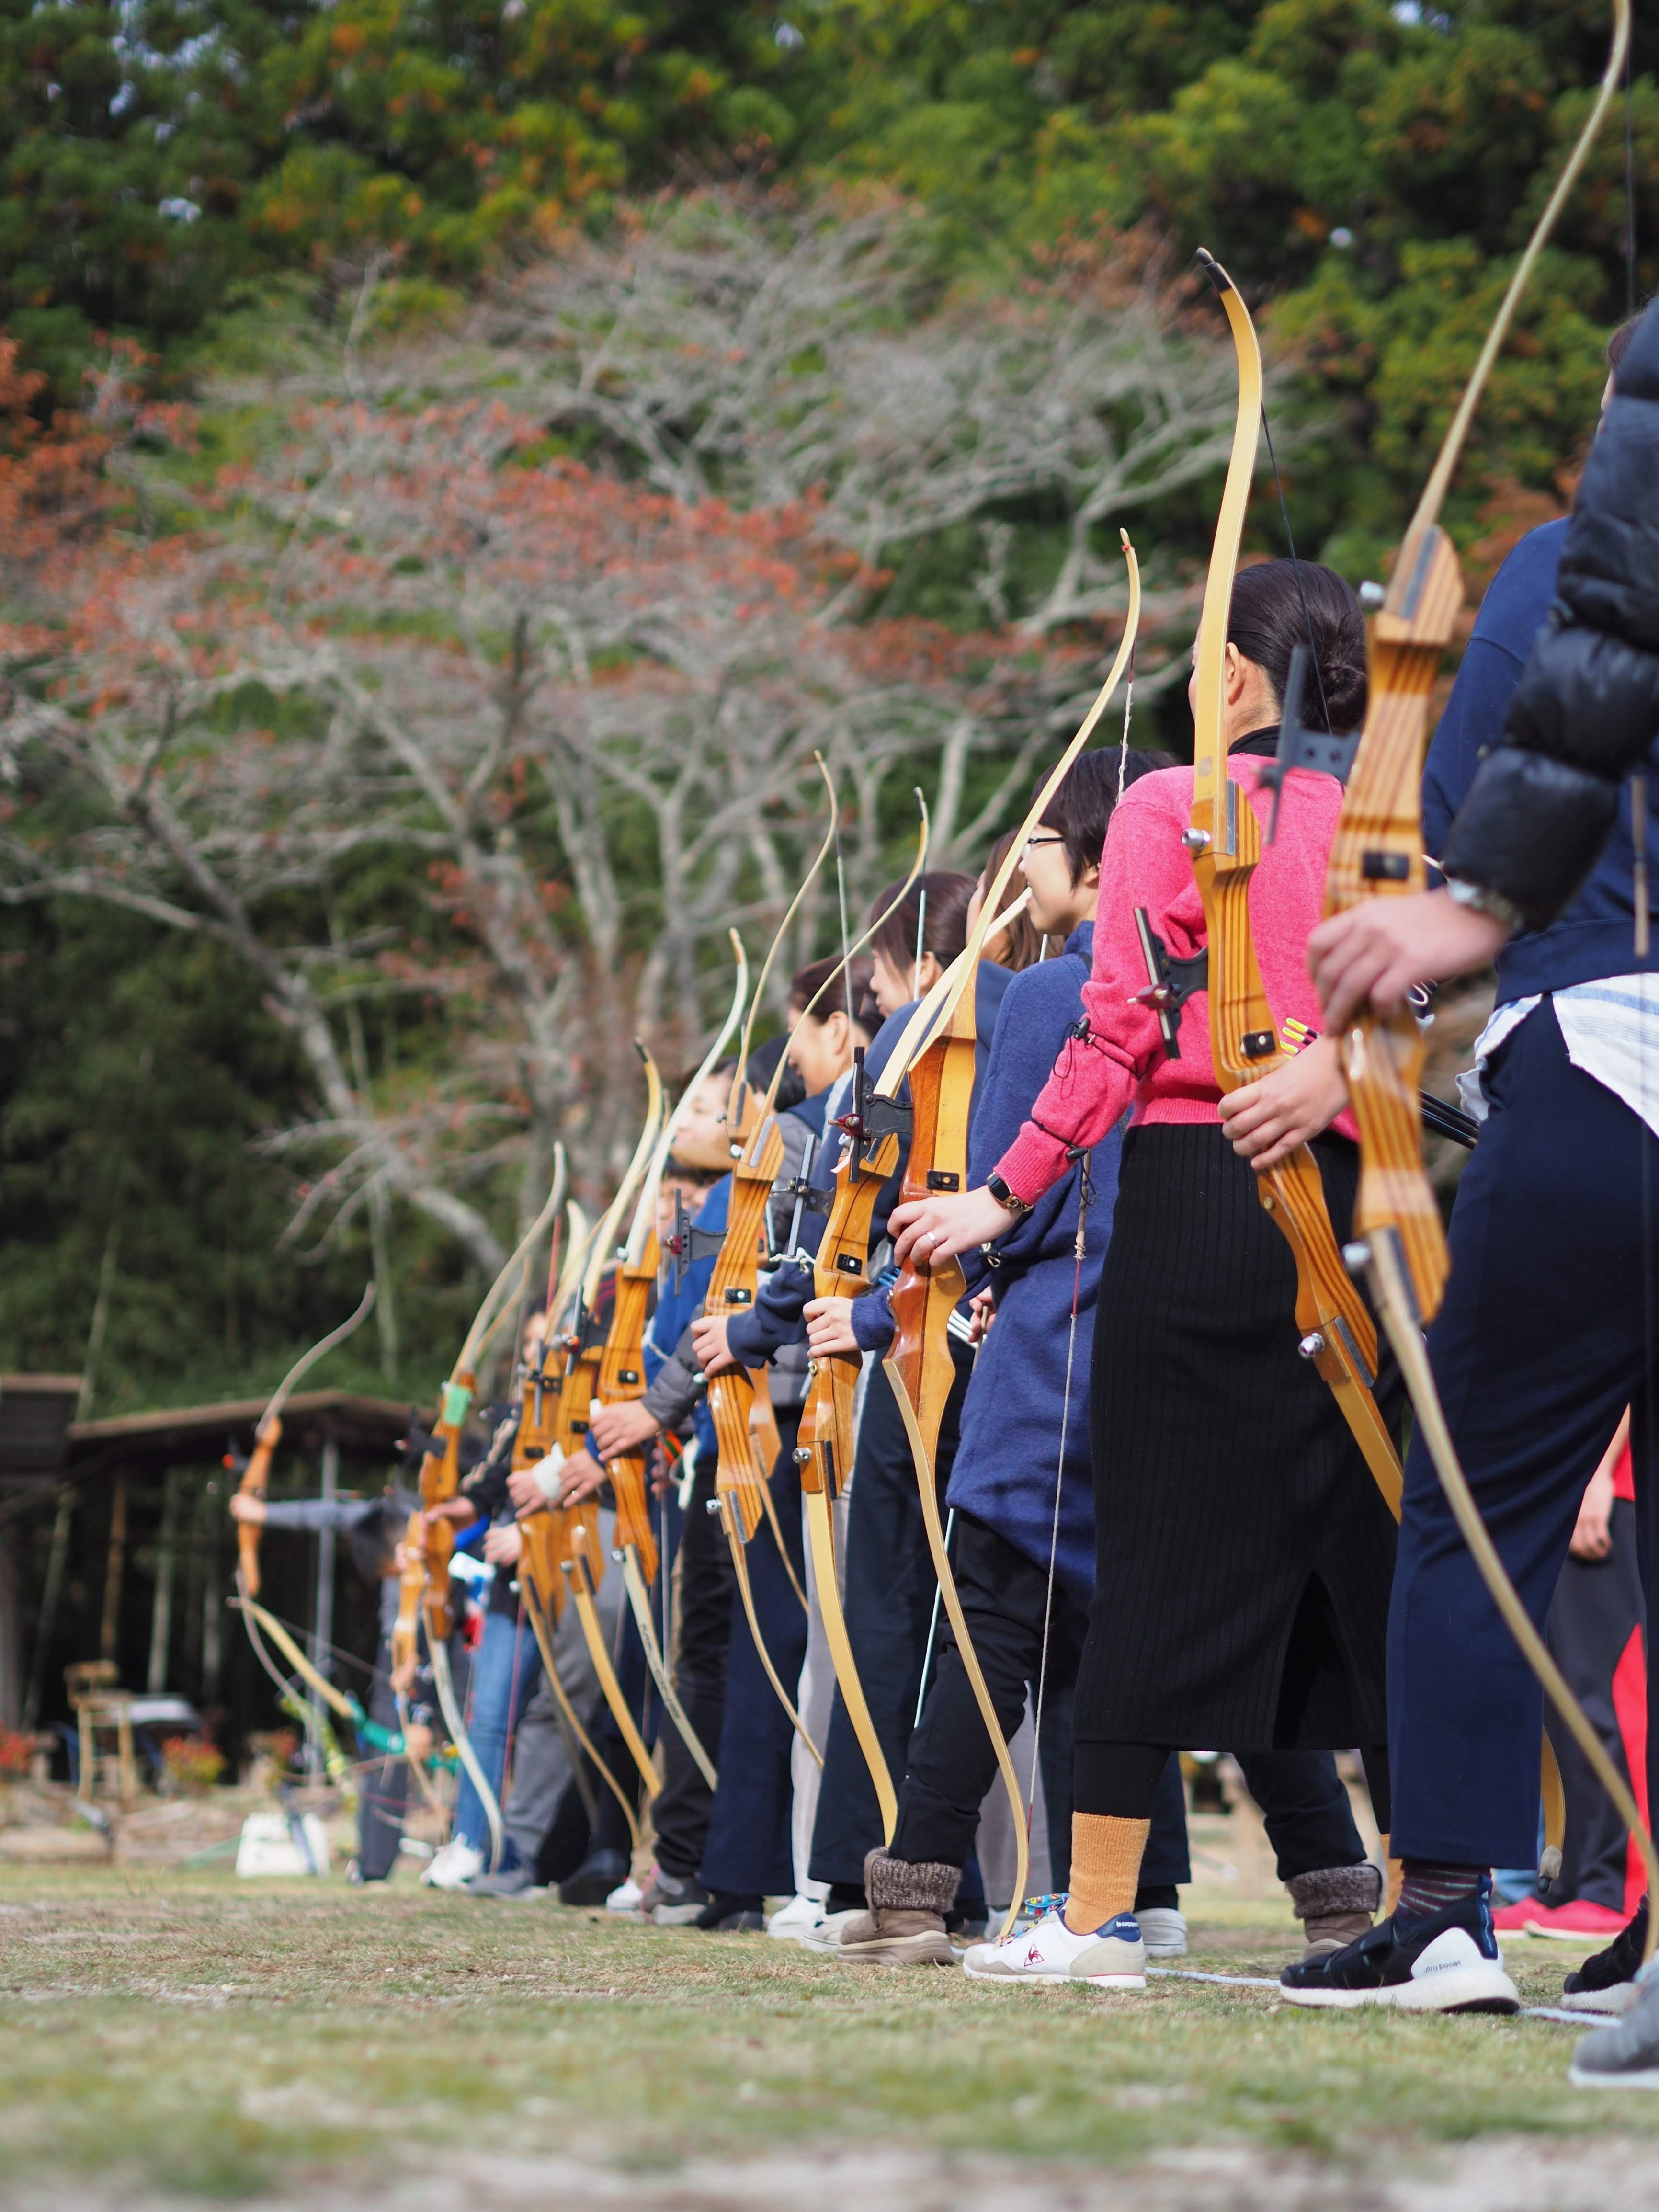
(1082, 807)
(809, 982)
(1276, 605)
(945, 930)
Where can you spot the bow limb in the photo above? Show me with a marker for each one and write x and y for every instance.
(947, 1583)
(538, 1607)
(821, 1532)
(723, 1506)
(1225, 839)
(268, 1625)
(1391, 1292)
(449, 1706)
(256, 1475)
(581, 1581)
(639, 1598)
(735, 1115)
(1434, 492)
(831, 981)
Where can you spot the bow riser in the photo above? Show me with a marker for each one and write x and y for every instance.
(622, 1378)
(255, 1483)
(581, 1574)
(1377, 853)
(732, 1289)
(827, 1425)
(441, 1480)
(941, 1096)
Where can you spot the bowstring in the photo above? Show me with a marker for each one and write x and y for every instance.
(1296, 570)
(1123, 743)
(1629, 179)
(1638, 789)
(1086, 1191)
(845, 965)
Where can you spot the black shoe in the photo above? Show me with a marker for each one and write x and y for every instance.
(1445, 1961)
(1607, 1982)
(594, 1879)
(727, 1915)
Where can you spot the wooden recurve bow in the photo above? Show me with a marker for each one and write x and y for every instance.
(622, 1378)
(540, 1582)
(424, 1586)
(1225, 839)
(919, 1366)
(874, 1127)
(577, 1549)
(1400, 1242)
(255, 1483)
(742, 1488)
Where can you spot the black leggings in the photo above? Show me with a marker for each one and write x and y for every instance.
(1304, 1804)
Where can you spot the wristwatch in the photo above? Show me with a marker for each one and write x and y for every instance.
(1005, 1197)
(1480, 898)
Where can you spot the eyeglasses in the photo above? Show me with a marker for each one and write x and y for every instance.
(1031, 844)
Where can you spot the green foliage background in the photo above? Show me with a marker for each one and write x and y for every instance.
(191, 171)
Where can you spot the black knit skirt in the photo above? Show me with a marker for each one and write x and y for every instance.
(1243, 1550)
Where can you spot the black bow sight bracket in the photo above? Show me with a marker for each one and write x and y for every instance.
(1317, 751)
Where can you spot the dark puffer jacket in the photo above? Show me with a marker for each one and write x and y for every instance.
(1586, 711)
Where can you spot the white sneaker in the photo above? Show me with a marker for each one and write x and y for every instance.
(825, 1935)
(625, 1898)
(1112, 1957)
(454, 1866)
(800, 1917)
(1163, 1931)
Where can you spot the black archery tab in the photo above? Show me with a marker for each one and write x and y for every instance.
(872, 1117)
(1170, 982)
(687, 1245)
(1300, 747)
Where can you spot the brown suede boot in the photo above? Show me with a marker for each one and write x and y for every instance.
(1335, 1905)
(905, 1925)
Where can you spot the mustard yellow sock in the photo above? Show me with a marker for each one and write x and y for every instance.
(1106, 1855)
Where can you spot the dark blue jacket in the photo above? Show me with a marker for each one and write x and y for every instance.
(1009, 1459)
(1595, 936)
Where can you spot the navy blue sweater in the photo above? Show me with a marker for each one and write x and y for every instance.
(1595, 936)
(1009, 1458)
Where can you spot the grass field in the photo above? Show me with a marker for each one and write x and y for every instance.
(189, 2035)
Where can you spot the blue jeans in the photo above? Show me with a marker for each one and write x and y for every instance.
(504, 1670)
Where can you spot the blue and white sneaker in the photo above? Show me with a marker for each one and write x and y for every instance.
(1112, 1957)
(1446, 1961)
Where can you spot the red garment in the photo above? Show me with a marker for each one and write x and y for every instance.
(1146, 864)
(1624, 1475)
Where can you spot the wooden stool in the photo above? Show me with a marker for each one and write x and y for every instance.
(98, 1704)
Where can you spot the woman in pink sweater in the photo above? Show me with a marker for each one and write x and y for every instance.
(1244, 1553)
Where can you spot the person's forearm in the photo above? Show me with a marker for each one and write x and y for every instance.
(671, 1399)
(1090, 1085)
(774, 1319)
